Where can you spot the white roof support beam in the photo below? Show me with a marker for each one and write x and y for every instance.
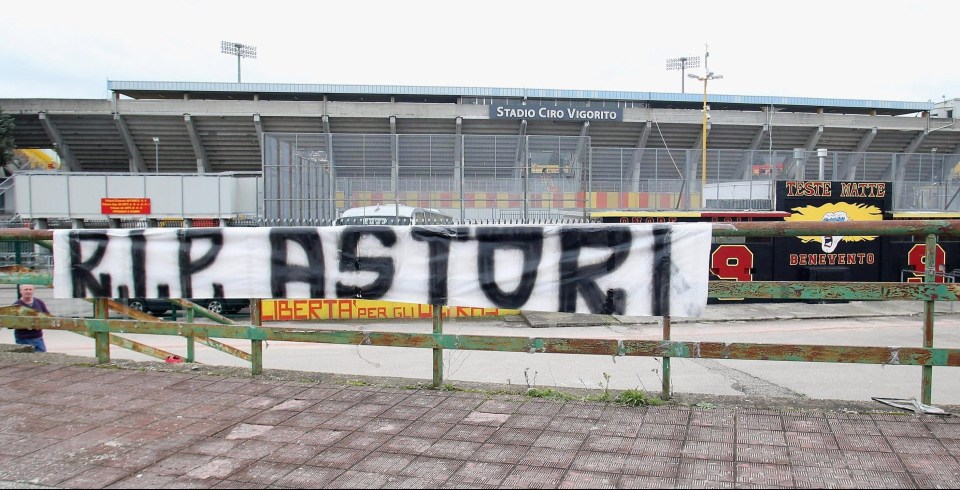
(745, 168)
(325, 122)
(638, 157)
(394, 159)
(259, 127)
(67, 159)
(520, 156)
(813, 141)
(137, 165)
(332, 168)
(581, 146)
(849, 169)
(899, 164)
(796, 169)
(203, 166)
(458, 167)
(458, 159)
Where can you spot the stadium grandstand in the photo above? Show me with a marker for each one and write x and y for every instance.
(306, 152)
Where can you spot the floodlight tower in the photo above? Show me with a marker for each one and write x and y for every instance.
(240, 50)
(682, 63)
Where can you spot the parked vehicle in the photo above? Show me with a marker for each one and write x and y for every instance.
(392, 214)
(159, 307)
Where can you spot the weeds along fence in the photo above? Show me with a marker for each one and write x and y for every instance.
(106, 331)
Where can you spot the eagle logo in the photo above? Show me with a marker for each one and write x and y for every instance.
(835, 212)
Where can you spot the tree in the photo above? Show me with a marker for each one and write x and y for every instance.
(6, 138)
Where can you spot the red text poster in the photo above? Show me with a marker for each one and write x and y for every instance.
(125, 205)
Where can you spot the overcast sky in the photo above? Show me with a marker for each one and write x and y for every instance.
(904, 51)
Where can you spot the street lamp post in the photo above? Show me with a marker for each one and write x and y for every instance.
(156, 154)
(706, 78)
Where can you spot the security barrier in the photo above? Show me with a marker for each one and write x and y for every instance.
(105, 330)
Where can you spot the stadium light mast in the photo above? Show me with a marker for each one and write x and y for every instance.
(240, 51)
(682, 63)
(706, 78)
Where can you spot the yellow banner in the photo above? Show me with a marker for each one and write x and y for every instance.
(282, 310)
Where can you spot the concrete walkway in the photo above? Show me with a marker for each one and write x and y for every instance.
(70, 425)
(739, 311)
(66, 423)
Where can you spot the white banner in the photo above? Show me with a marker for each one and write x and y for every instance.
(635, 269)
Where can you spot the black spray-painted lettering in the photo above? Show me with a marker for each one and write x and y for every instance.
(187, 267)
(81, 271)
(589, 269)
(351, 261)
(438, 240)
(661, 271)
(529, 241)
(574, 279)
(138, 260)
(282, 273)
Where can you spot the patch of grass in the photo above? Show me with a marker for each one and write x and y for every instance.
(461, 389)
(549, 393)
(638, 398)
(356, 382)
(605, 397)
(110, 365)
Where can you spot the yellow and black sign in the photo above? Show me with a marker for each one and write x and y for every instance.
(281, 310)
(827, 258)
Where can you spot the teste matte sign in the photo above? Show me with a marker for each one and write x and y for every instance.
(850, 258)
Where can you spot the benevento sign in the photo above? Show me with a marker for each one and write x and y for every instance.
(554, 113)
(631, 269)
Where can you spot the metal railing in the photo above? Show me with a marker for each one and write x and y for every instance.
(482, 176)
(104, 330)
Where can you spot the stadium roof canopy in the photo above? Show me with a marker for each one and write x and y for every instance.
(426, 94)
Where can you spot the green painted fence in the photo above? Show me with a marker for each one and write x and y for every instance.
(106, 331)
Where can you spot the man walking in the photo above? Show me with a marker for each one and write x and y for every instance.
(30, 337)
